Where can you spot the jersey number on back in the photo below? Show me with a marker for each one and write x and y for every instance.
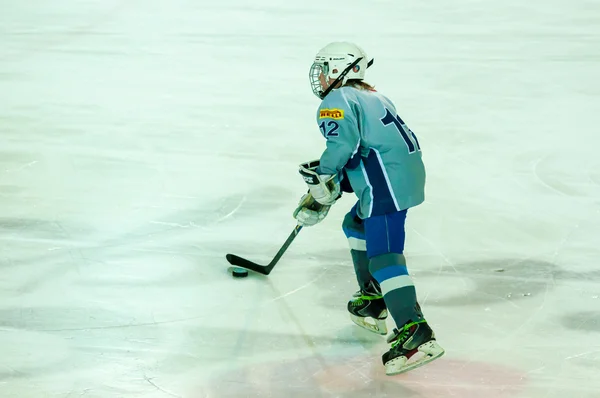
(409, 137)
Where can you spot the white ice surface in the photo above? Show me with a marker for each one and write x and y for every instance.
(140, 141)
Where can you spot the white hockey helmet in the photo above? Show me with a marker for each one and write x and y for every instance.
(340, 61)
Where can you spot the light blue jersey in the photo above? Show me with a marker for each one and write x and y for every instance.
(367, 141)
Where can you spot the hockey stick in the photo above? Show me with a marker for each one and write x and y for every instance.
(263, 269)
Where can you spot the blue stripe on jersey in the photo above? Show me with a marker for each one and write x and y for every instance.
(390, 272)
(383, 202)
(355, 159)
(353, 162)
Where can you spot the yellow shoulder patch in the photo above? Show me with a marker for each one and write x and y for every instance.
(331, 114)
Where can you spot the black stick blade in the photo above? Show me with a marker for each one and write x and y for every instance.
(242, 262)
(264, 269)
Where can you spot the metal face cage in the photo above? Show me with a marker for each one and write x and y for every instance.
(315, 77)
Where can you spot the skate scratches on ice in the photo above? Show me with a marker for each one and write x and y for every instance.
(207, 222)
(280, 298)
(284, 305)
(505, 340)
(149, 380)
(552, 386)
(582, 354)
(501, 342)
(300, 287)
(443, 256)
(232, 212)
(22, 167)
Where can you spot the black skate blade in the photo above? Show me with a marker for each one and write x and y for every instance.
(249, 265)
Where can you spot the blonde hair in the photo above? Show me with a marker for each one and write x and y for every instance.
(359, 84)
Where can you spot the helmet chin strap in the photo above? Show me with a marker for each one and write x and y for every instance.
(343, 74)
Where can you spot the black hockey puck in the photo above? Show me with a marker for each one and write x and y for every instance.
(239, 272)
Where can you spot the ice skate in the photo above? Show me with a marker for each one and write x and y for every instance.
(412, 346)
(367, 310)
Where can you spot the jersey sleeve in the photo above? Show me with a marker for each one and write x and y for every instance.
(338, 120)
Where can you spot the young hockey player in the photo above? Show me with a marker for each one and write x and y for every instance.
(369, 151)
